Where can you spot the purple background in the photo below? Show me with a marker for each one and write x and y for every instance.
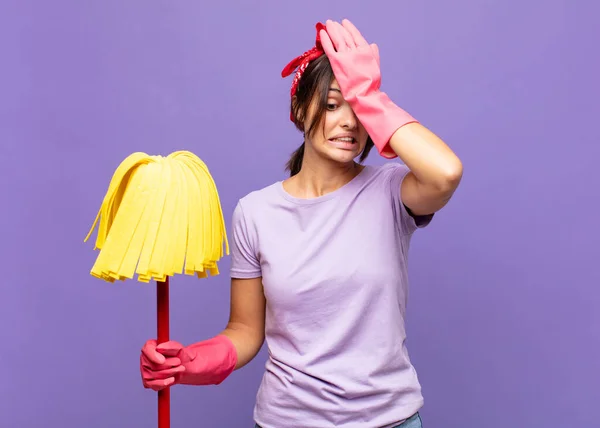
(504, 326)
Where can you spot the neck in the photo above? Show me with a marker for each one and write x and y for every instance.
(319, 177)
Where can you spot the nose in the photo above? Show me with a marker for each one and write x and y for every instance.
(349, 121)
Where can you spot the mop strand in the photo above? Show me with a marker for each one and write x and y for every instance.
(160, 216)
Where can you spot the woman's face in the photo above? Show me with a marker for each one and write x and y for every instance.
(342, 137)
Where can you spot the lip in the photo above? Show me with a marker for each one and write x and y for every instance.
(343, 145)
(343, 136)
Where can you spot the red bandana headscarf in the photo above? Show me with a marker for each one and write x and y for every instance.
(300, 63)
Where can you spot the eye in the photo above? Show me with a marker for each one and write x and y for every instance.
(331, 106)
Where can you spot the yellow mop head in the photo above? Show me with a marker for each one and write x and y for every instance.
(160, 216)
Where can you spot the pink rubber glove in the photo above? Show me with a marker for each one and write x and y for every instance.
(355, 65)
(208, 362)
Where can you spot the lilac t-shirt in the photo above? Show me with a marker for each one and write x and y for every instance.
(334, 271)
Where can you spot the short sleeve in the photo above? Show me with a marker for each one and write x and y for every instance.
(406, 222)
(244, 258)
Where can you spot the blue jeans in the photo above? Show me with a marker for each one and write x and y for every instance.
(413, 422)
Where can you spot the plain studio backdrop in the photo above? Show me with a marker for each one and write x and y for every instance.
(504, 326)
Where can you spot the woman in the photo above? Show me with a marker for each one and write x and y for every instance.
(319, 260)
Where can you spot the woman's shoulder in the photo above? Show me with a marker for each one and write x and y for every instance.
(260, 196)
(389, 168)
(257, 200)
(380, 176)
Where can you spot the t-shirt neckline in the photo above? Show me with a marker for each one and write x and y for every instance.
(349, 186)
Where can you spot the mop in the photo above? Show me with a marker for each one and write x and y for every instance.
(160, 216)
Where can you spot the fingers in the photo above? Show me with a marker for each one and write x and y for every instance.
(375, 50)
(158, 377)
(159, 364)
(158, 385)
(149, 375)
(339, 36)
(170, 348)
(149, 351)
(326, 43)
(168, 364)
(358, 39)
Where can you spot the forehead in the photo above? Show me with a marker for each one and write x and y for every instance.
(334, 85)
(334, 89)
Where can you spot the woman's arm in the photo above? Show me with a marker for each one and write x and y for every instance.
(246, 326)
(435, 171)
(211, 361)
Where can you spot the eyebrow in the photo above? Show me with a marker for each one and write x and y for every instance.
(335, 89)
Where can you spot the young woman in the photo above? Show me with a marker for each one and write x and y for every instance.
(319, 260)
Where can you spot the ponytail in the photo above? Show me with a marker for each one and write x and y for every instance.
(295, 163)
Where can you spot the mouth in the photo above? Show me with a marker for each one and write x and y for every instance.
(346, 143)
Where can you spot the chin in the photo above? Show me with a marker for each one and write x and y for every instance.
(344, 155)
(344, 158)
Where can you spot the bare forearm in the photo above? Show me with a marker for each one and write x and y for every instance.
(431, 161)
(247, 342)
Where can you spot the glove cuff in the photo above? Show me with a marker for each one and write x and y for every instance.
(381, 119)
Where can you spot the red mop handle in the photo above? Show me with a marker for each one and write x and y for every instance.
(162, 318)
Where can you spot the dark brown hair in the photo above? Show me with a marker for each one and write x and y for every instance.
(314, 83)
